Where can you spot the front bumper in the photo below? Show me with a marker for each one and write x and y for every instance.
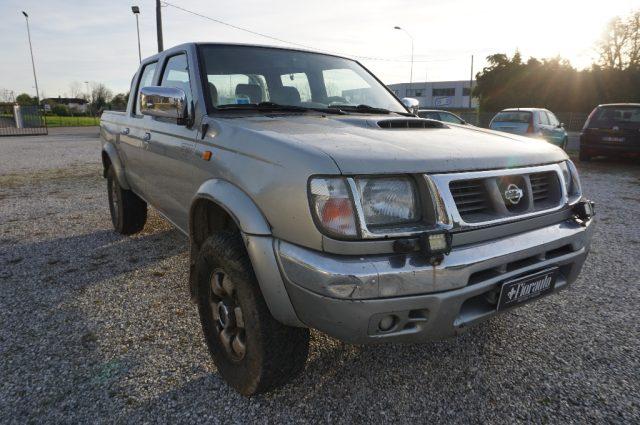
(347, 297)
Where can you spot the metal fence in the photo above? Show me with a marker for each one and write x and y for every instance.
(21, 120)
(573, 121)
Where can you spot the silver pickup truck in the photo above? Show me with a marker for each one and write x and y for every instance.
(313, 198)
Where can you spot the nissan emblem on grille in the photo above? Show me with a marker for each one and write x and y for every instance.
(513, 194)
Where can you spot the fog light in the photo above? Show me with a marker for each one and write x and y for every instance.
(435, 244)
(387, 323)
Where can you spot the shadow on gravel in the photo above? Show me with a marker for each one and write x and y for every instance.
(93, 256)
(339, 373)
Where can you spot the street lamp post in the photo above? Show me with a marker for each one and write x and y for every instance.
(136, 11)
(33, 64)
(407, 32)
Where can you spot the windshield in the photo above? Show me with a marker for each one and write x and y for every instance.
(515, 116)
(246, 75)
(625, 117)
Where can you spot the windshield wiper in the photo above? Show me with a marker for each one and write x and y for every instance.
(272, 106)
(262, 106)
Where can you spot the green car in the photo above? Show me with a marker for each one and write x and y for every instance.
(531, 122)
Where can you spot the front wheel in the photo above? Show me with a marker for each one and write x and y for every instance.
(254, 353)
(565, 142)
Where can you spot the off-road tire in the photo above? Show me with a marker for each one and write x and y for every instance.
(583, 156)
(128, 211)
(274, 353)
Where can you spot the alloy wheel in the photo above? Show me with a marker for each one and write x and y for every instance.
(227, 314)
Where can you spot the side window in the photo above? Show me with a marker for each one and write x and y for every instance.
(344, 85)
(449, 118)
(176, 74)
(552, 119)
(146, 79)
(300, 82)
(542, 118)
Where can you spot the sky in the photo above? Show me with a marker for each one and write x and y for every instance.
(95, 40)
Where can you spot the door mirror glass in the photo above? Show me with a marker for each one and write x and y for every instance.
(164, 102)
(411, 104)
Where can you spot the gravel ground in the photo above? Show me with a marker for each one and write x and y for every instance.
(96, 327)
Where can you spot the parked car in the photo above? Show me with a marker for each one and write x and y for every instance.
(312, 198)
(611, 130)
(439, 115)
(531, 122)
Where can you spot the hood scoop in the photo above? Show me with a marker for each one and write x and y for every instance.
(409, 123)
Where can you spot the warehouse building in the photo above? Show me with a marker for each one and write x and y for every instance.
(438, 94)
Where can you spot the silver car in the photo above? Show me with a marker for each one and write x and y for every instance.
(312, 198)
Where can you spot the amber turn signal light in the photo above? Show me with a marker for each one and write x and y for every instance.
(206, 155)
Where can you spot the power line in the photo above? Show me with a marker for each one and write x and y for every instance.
(281, 40)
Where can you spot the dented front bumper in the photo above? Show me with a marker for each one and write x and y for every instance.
(348, 296)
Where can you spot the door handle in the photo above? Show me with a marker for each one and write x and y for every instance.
(147, 137)
(125, 131)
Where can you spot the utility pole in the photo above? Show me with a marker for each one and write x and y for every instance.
(33, 64)
(471, 82)
(159, 25)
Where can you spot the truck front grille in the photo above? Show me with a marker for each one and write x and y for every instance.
(471, 198)
(493, 196)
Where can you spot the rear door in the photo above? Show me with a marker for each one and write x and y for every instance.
(557, 132)
(131, 137)
(169, 149)
(543, 125)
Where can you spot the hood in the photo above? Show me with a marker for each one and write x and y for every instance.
(359, 145)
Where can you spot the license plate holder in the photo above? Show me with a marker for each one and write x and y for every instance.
(525, 288)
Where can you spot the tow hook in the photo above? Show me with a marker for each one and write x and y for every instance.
(584, 211)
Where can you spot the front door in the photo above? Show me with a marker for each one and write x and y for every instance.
(169, 152)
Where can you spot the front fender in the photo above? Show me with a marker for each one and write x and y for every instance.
(237, 203)
(258, 242)
(114, 159)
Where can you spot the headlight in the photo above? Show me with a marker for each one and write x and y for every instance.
(356, 206)
(387, 201)
(332, 206)
(571, 181)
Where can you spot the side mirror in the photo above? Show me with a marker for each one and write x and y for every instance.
(411, 104)
(561, 125)
(164, 102)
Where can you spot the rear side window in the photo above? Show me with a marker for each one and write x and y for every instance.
(146, 79)
(300, 82)
(176, 74)
(513, 116)
(542, 117)
(623, 116)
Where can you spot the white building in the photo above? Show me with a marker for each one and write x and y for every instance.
(437, 94)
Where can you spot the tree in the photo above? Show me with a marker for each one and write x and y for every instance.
(119, 102)
(25, 99)
(75, 90)
(100, 96)
(619, 47)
